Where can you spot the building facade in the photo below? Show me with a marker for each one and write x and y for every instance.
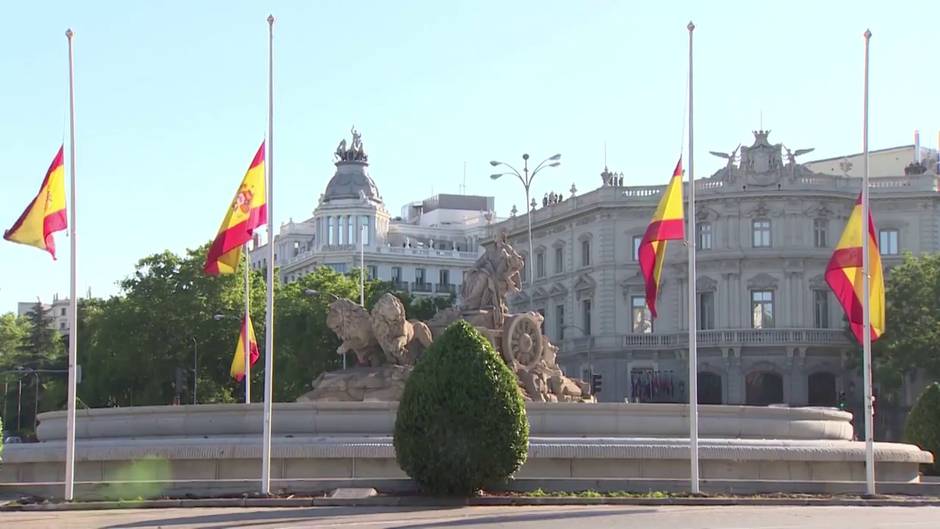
(58, 312)
(424, 251)
(769, 330)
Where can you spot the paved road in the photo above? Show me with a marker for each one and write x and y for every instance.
(476, 517)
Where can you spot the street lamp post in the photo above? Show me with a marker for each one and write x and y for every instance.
(195, 368)
(526, 180)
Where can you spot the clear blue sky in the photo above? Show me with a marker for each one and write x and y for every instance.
(172, 101)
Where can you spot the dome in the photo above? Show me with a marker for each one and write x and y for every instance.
(351, 181)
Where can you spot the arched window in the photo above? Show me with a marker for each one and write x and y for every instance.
(822, 389)
(709, 388)
(763, 388)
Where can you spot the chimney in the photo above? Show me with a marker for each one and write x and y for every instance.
(916, 146)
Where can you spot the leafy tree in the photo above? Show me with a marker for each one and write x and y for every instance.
(912, 338)
(13, 333)
(461, 422)
(923, 424)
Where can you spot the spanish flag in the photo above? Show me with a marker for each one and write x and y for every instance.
(45, 215)
(844, 275)
(238, 361)
(667, 224)
(247, 211)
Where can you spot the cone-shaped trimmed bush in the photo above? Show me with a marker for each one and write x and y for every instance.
(923, 424)
(461, 421)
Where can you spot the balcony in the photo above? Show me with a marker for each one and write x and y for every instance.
(420, 287)
(445, 288)
(401, 286)
(712, 338)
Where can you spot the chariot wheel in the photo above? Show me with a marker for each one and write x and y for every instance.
(522, 340)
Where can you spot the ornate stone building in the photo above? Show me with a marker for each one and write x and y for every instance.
(769, 329)
(424, 251)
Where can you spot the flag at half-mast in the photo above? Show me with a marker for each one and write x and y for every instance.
(238, 361)
(845, 275)
(45, 215)
(247, 211)
(667, 224)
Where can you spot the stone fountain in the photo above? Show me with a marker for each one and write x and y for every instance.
(387, 345)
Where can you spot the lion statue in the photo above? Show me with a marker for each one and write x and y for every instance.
(352, 325)
(401, 340)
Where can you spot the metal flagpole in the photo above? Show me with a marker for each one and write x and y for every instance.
(269, 312)
(362, 269)
(866, 305)
(246, 345)
(693, 347)
(73, 299)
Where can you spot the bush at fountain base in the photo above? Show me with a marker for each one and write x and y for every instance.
(461, 422)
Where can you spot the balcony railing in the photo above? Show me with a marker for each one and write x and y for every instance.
(712, 338)
(420, 287)
(401, 286)
(445, 288)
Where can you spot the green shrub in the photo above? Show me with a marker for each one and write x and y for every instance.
(923, 424)
(461, 421)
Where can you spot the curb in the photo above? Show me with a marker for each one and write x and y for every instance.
(488, 501)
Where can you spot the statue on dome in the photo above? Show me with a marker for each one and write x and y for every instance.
(355, 152)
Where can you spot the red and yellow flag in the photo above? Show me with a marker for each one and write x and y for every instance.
(45, 215)
(667, 224)
(247, 211)
(238, 361)
(844, 275)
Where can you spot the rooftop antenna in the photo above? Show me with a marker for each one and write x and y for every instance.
(605, 155)
(463, 187)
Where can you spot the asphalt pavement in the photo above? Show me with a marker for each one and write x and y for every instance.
(528, 517)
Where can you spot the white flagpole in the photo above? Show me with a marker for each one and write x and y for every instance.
(269, 311)
(73, 298)
(866, 305)
(246, 345)
(693, 346)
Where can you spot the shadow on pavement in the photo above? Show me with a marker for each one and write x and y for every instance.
(250, 516)
(279, 517)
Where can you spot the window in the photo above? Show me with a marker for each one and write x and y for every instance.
(586, 316)
(540, 264)
(420, 276)
(888, 242)
(761, 233)
(821, 309)
(61, 325)
(709, 388)
(337, 267)
(331, 230)
(636, 247)
(373, 271)
(396, 274)
(640, 316)
(763, 388)
(350, 230)
(822, 390)
(444, 277)
(560, 321)
(820, 231)
(341, 230)
(364, 229)
(585, 253)
(559, 260)
(762, 309)
(704, 235)
(706, 311)
(62, 312)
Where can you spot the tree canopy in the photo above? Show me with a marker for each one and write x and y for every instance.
(140, 347)
(912, 337)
